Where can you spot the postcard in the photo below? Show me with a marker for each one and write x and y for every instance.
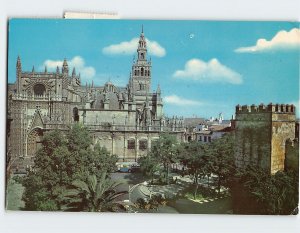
(153, 116)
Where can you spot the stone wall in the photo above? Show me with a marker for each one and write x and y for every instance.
(283, 128)
(116, 142)
(118, 117)
(292, 155)
(253, 137)
(261, 133)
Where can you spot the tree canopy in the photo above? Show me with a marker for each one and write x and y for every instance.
(263, 193)
(165, 152)
(94, 195)
(62, 159)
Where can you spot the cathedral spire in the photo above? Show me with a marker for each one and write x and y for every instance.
(65, 63)
(19, 64)
(73, 72)
(19, 74)
(142, 47)
(65, 68)
(158, 91)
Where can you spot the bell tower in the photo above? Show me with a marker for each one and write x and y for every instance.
(140, 82)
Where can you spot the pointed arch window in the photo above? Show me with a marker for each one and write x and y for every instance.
(143, 144)
(142, 71)
(75, 114)
(131, 144)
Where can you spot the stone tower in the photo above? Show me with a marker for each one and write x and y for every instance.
(140, 81)
(261, 133)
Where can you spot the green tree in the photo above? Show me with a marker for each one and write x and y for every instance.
(221, 157)
(193, 155)
(149, 166)
(103, 160)
(51, 173)
(94, 194)
(269, 194)
(62, 159)
(165, 151)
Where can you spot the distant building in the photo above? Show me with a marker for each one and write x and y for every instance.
(190, 125)
(261, 133)
(201, 129)
(207, 134)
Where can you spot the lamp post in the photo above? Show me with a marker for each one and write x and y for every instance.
(112, 142)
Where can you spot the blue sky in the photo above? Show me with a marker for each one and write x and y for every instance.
(203, 67)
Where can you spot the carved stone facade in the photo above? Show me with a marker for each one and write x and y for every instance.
(261, 133)
(125, 120)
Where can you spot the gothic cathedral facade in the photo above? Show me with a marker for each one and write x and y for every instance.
(125, 120)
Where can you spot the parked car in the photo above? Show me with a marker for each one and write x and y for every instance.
(128, 167)
(125, 169)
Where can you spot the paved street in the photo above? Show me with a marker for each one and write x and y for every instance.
(217, 206)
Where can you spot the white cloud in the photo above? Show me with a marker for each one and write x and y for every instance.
(130, 47)
(211, 71)
(176, 100)
(283, 40)
(87, 73)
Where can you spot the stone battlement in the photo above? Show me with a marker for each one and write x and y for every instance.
(276, 108)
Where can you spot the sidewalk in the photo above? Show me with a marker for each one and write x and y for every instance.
(167, 191)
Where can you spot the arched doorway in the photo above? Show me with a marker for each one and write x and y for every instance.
(34, 141)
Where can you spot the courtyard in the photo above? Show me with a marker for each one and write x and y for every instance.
(135, 182)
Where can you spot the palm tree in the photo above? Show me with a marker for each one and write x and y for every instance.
(94, 195)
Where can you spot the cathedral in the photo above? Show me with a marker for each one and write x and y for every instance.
(125, 120)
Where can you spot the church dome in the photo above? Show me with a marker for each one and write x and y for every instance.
(110, 87)
(110, 97)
